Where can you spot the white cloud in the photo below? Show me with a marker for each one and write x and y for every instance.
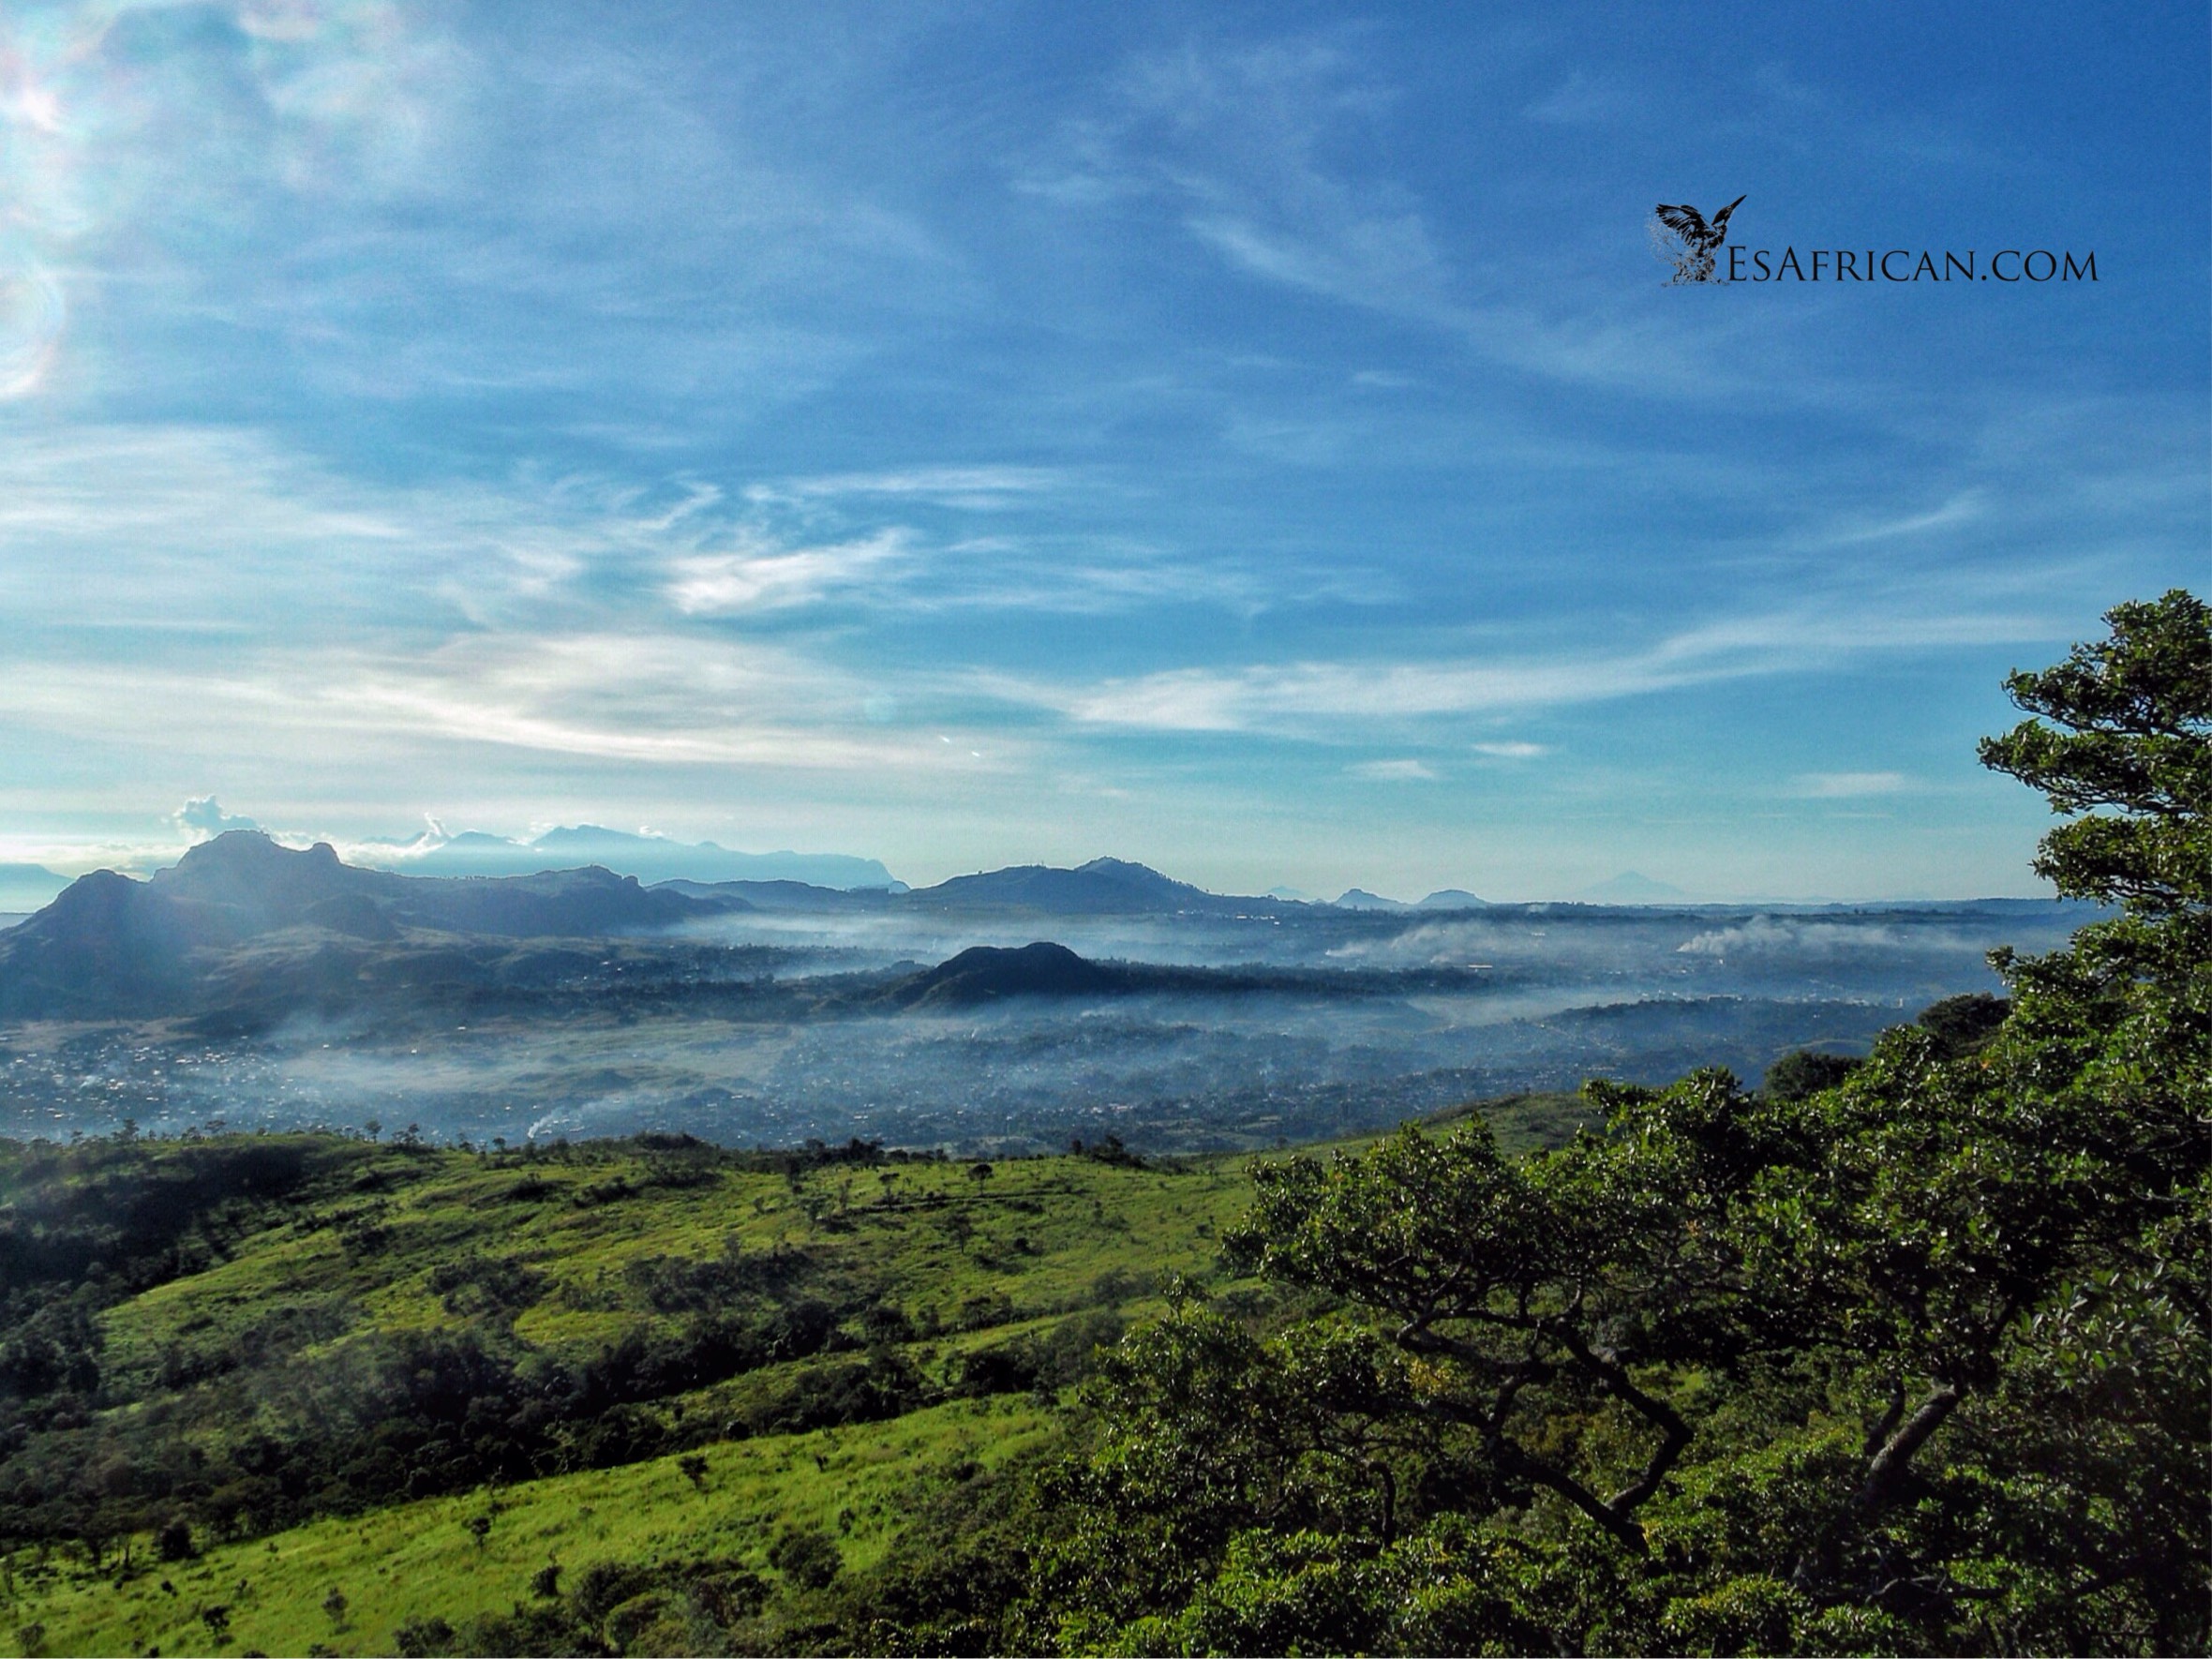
(1511, 750)
(1963, 508)
(726, 584)
(1307, 699)
(652, 699)
(1297, 696)
(202, 818)
(1848, 786)
(1393, 772)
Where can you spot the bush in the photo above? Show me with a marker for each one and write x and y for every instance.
(807, 1555)
(419, 1638)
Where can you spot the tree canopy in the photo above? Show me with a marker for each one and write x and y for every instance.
(1911, 1362)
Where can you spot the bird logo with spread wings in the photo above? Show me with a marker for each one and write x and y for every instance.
(1685, 240)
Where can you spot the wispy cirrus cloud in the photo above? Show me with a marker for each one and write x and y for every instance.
(1248, 143)
(1235, 138)
(1311, 698)
(772, 578)
(199, 529)
(651, 699)
(972, 488)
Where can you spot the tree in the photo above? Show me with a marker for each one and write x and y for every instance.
(1908, 1358)
(2131, 750)
(1806, 1071)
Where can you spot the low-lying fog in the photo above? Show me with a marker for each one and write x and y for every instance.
(1541, 997)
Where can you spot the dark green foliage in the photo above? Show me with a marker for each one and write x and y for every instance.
(808, 1556)
(1964, 1025)
(1108, 1149)
(1047, 1361)
(686, 1606)
(2130, 747)
(1901, 1356)
(421, 1637)
(485, 1284)
(1806, 1071)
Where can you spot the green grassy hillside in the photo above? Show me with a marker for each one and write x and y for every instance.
(255, 1369)
(239, 1373)
(420, 1561)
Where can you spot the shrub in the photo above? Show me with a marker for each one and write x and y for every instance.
(421, 1638)
(807, 1555)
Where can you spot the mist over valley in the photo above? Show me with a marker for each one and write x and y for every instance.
(255, 985)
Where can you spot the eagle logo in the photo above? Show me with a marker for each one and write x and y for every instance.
(1684, 239)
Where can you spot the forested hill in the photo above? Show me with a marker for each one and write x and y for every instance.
(210, 1349)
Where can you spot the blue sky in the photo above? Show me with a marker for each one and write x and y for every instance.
(1257, 440)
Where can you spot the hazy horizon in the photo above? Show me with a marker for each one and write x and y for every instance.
(1624, 888)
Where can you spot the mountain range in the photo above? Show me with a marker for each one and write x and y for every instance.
(241, 919)
(651, 859)
(27, 887)
(109, 946)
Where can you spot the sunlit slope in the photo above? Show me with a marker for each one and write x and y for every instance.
(417, 1239)
(412, 1338)
(421, 1375)
(423, 1560)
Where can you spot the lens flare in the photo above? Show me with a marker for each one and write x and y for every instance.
(32, 312)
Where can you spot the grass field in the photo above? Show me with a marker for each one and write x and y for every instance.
(949, 1303)
(419, 1558)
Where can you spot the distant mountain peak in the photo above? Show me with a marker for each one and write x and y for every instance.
(1453, 897)
(1358, 898)
(250, 848)
(990, 972)
(1103, 887)
(108, 945)
(650, 858)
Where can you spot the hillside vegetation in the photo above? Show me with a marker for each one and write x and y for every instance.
(212, 1341)
(1900, 1355)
